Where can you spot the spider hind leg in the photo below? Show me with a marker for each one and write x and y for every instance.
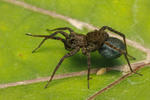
(125, 55)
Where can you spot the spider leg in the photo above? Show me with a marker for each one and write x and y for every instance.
(119, 33)
(89, 65)
(130, 65)
(55, 38)
(36, 35)
(133, 58)
(39, 45)
(125, 55)
(61, 32)
(71, 53)
(51, 35)
(63, 28)
(45, 38)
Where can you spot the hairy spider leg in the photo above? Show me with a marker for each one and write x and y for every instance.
(121, 51)
(48, 37)
(45, 38)
(51, 35)
(89, 67)
(133, 58)
(61, 32)
(71, 53)
(121, 34)
(125, 55)
(62, 28)
(39, 45)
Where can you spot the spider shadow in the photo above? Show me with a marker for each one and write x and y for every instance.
(97, 61)
(79, 61)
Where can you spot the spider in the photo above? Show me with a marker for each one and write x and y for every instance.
(97, 40)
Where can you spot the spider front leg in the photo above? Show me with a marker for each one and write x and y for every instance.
(63, 28)
(61, 32)
(39, 45)
(45, 38)
(122, 35)
(55, 38)
(71, 53)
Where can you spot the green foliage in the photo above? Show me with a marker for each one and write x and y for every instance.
(18, 63)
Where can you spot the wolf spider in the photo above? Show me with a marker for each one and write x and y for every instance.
(94, 40)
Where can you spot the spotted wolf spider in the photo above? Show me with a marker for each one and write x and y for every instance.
(109, 47)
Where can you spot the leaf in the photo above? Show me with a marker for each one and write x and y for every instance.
(74, 88)
(17, 63)
(129, 17)
(132, 88)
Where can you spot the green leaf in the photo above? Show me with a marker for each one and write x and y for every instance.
(132, 88)
(130, 16)
(17, 63)
(74, 88)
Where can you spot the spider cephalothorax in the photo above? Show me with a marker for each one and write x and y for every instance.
(109, 47)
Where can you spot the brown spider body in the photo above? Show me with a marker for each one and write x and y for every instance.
(88, 43)
(75, 40)
(95, 39)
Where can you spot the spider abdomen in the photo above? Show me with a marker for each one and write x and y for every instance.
(109, 52)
